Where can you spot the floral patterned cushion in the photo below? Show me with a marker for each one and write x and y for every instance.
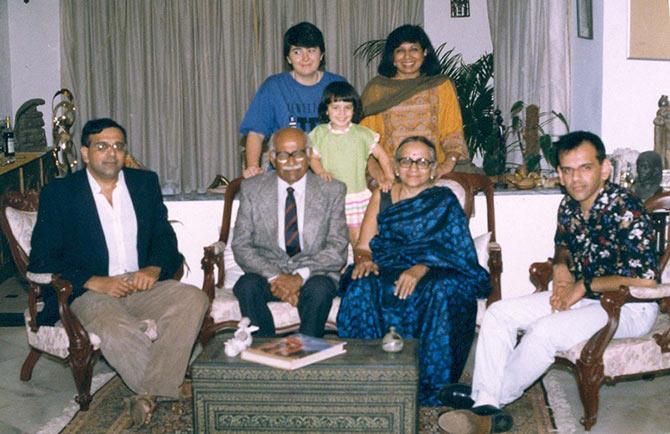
(630, 356)
(659, 291)
(226, 308)
(53, 339)
(21, 224)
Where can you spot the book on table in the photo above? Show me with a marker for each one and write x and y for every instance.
(293, 352)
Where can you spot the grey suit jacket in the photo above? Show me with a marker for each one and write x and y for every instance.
(324, 234)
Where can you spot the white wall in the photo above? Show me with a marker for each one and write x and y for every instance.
(631, 88)
(34, 48)
(587, 74)
(470, 36)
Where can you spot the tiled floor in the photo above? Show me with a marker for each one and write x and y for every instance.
(27, 406)
(629, 407)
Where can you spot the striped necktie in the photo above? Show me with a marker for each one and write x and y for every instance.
(291, 235)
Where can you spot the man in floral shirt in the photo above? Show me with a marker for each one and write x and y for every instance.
(603, 240)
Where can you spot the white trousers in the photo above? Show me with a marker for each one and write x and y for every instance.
(503, 371)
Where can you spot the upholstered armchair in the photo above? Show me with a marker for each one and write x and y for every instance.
(221, 272)
(67, 340)
(604, 359)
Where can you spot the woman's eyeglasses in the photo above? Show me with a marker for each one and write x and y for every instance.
(421, 163)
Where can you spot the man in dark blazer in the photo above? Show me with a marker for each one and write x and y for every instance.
(105, 229)
(290, 238)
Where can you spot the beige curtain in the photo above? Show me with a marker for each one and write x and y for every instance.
(179, 75)
(531, 46)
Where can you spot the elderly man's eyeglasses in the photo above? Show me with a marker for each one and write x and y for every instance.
(283, 156)
(421, 163)
(103, 146)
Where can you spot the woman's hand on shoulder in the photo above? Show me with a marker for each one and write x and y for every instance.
(326, 176)
(408, 279)
(386, 184)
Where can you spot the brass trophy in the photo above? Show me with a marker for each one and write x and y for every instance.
(64, 115)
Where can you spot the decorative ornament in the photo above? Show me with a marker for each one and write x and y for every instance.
(241, 339)
(460, 8)
(392, 341)
(64, 115)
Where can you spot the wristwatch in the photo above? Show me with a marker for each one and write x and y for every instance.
(587, 287)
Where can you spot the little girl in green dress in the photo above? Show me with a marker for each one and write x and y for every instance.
(341, 147)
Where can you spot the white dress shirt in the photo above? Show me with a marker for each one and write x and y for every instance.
(299, 195)
(119, 224)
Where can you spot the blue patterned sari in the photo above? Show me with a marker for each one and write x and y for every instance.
(429, 229)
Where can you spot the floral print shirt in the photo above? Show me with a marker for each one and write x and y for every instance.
(616, 240)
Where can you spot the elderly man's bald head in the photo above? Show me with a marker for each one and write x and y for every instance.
(289, 153)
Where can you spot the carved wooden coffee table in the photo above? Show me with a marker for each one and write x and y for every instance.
(365, 390)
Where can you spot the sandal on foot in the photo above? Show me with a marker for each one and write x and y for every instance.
(186, 389)
(141, 409)
(480, 420)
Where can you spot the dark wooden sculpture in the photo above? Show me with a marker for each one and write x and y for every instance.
(29, 127)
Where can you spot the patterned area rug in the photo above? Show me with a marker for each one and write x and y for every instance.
(107, 414)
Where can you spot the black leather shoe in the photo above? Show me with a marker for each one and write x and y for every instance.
(456, 396)
(483, 419)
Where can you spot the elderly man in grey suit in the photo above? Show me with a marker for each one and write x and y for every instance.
(290, 238)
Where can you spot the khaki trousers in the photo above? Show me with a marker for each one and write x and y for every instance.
(151, 368)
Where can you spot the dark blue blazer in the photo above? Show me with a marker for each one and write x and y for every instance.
(68, 237)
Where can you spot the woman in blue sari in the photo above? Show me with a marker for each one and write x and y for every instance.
(416, 270)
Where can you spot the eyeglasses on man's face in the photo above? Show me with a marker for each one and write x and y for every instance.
(421, 163)
(284, 156)
(103, 146)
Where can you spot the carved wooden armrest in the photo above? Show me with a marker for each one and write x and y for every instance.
(213, 255)
(663, 339)
(495, 270)
(611, 301)
(78, 336)
(540, 274)
(35, 281)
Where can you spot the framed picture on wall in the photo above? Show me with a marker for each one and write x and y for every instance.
(585, 19)
(649, 29)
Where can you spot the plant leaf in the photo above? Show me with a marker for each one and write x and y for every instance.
(516, 108)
